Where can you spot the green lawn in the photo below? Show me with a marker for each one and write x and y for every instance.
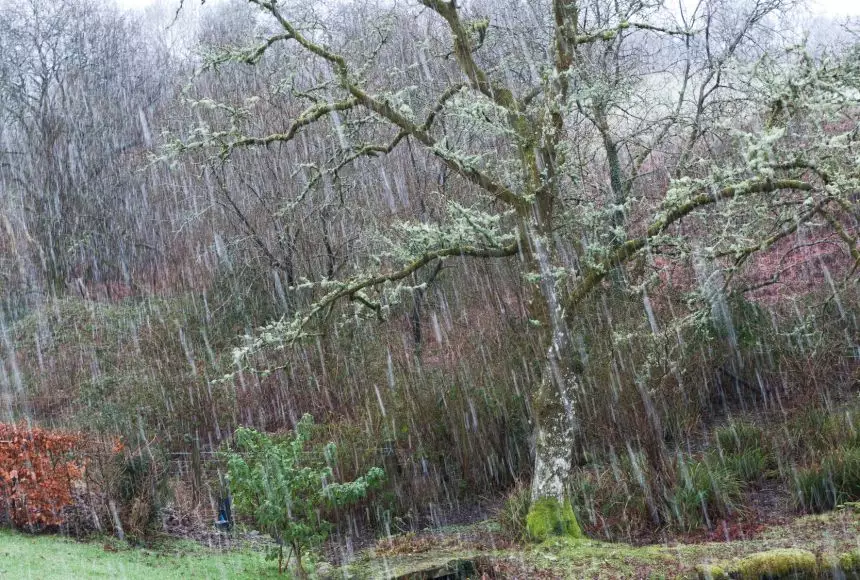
(44, 557)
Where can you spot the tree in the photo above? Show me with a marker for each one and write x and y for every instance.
(77, 85)
(571, 157)
(283, 487)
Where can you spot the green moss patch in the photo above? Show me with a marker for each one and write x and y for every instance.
(785, 563)
(547, 517)
(779, 563)
(711, 572)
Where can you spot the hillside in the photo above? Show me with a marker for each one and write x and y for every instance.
(533, 289)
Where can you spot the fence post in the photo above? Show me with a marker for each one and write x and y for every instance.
(196, 470)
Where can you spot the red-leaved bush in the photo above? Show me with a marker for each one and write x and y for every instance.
(37, 471)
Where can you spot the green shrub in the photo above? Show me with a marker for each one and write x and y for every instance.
(849, 564)
(283, 487)
(818, 431)
(549, 517)
(711, 572)
(813, 490)
(844, 465)
(742, 451)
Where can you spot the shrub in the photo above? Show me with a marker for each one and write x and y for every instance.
(141, 488)
(813, 490)
(849, 563)
(613, 499)
(283, 487)
(742, 451)
(845, 469)
(817, 431)
(38, 469)
(549, 517)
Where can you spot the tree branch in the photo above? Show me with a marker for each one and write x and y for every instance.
(628, 249)
(354, 291)
(440, 104)
(308, 117)
(463, 48)
(610, 33)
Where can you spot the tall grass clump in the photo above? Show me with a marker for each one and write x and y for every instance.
(742, 450)
(835, 480)
(614, 502)
(705, 490)
(513, 512)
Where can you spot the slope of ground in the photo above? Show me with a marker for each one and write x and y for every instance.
(463, 552)
(828, 537)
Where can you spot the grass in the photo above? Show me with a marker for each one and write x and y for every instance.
(52, 557)
(513, 513)
(736, 438)
(704, 490)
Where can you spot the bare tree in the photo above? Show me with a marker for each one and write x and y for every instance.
(78, 89)
(548, 126)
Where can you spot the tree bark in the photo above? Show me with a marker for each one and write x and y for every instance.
(554, 431)
(551, 512)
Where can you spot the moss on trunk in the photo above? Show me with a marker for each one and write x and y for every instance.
(548, 517)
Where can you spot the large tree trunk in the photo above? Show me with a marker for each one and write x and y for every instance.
(551, 512)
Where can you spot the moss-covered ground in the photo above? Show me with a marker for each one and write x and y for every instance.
(832, 540)
(827, 545)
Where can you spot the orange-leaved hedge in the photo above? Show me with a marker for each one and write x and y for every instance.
(38, 469)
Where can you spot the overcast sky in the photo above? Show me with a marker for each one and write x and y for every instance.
(828, 7)
(838, 6)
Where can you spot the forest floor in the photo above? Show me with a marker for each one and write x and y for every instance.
(828, 537)
(473, 551)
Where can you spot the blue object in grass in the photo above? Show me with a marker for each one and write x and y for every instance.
(225, 514)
